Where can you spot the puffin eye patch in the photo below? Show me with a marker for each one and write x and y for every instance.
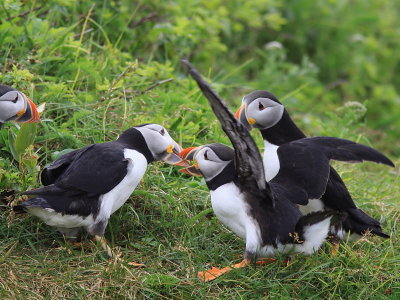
(205, 155)
(162, 132)
(261, 106)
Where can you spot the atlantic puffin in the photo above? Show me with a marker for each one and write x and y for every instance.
(84, 187)
(259, 212)
(286, 149)
(16, 106)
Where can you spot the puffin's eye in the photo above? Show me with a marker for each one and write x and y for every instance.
(261, 106)
(162, 132)
(205, 155)
(15, 99)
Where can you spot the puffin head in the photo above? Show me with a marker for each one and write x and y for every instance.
(15, 106)
(260, 109)
(154, 141)
(210, 160)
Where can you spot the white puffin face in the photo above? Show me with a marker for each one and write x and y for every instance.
(209, 162)
(12, 105)
(263, 113)
(160, 143)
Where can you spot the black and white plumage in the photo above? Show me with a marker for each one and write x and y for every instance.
(247, 211)
(84, 187)
(241, 197)
(16, 106)
(289, 155)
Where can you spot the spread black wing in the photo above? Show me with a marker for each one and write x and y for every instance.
(304, 165)
(247, 157)
(96, 170)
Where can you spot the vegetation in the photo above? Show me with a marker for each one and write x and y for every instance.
(104, 66)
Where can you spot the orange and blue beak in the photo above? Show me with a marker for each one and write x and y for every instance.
(189, 154)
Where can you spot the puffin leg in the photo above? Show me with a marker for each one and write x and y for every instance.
(214, 272)
(72, 236)
(287, 261)
(335, 242)
(103, 243)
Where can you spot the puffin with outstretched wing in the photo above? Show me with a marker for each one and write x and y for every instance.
(260, 213)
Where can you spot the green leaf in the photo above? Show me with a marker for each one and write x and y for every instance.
(11, 139)
(25, 137)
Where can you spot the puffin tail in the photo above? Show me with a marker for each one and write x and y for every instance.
(360, 223)
(32, 202)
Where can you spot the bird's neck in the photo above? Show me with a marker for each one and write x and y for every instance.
(134, 140)
(227, 175)
(282, 132)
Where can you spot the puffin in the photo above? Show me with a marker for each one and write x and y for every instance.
(16, 106)
(84, 187)
(288, 152)
(258, 211)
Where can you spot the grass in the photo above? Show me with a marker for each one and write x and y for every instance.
(105, 67)
(176, 235)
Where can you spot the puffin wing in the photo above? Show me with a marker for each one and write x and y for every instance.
(305, 170)
(97, 170)
(347, 151)
(50, 174)
(303, 173)
(248, 160)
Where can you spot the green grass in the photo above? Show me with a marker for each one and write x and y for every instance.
(167, 224)
(103, 68)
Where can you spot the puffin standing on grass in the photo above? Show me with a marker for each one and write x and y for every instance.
(260, 213)
(15, 106)
(285, 144)
(84, 187)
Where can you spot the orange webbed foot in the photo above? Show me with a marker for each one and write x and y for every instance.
(210, 274)
(215, 272)
(136, 265)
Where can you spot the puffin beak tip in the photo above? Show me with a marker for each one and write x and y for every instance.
(35, 113)
(187, 153)
(238, 112)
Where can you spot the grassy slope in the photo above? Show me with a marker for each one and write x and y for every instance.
(167, 223)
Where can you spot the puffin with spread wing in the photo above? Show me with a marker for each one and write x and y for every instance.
(289, 156)
(259, 212)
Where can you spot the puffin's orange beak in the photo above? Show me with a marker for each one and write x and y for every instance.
(188, 154)
(30, 115)
(35, 114)
(242, 117)
(238, 112)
